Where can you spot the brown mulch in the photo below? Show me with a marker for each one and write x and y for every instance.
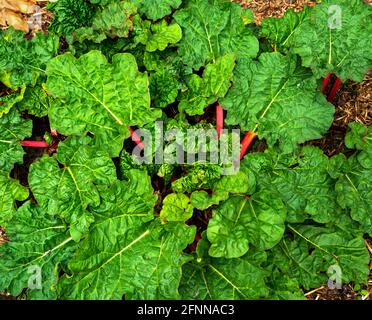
(348, 292)
(273, 8)
(353, 103)
(3, 237)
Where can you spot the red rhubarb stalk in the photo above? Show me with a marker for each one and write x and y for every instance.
(219, 120)
(136, 138)
(325, 82)
(35, 144)
(246, 143)
(334, 90)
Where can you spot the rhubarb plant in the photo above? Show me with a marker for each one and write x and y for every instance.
(85, 201)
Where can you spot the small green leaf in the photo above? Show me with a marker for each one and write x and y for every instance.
(176, 207)
(221, 190)
(204, 91)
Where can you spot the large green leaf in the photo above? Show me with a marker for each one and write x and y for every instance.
(157, 9)
(211, 29)
(204, 91)
(279, 100)
(22, 61)
(208, 278)
(66, 184)
(240, 221)
(301, 180)
(39, 245)
(313, 250)
(99, 97)
(336, 38)
(13, 129)
(126, 255)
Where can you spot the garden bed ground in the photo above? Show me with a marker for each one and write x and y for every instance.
(353, 103)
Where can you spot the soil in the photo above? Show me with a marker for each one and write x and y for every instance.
(353, 103)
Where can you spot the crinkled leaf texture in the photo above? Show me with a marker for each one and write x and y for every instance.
(211, 29)
(22, 61)
(280, 31)
(301, 180)
(176, 207)
(114, 20)
(204, 91)
(39, 244)
(198, 176)
(314, 251)
(98, 97)
(10, 191)
(127, 252)
(360, 138)
(353, 187)
(240, 183)
(13, 129)
(240, 221)
(36, 100)
(157, 36)
(163, 88)
(336, 38)
(7, 102)
(208, 278)
(70, 190)
(279, 100)
(157, 9)
(69, 15)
